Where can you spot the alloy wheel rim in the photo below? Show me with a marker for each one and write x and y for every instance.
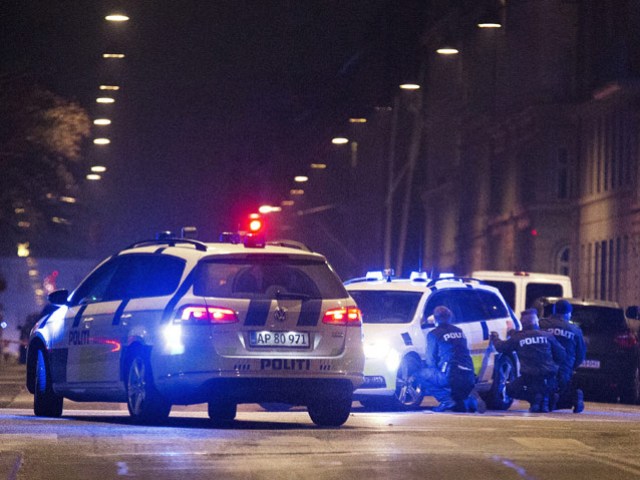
(136, 386)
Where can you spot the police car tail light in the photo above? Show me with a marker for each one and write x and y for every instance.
(349, 316)
(205, 314)
(626, 340)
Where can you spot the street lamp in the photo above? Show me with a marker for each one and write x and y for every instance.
(105, 100)
(410, 86)
(102, 121)
(339, 140)
(300, 179)
(98, 169)
(116, 17)
(101, 141)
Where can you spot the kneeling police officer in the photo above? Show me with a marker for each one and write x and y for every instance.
(449, 374)
(540, 354)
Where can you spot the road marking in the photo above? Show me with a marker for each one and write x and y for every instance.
(19, 439)
(554, 444)
(614, 461)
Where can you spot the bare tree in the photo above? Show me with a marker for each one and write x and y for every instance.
(40, 139)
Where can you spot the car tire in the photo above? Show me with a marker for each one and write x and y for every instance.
(222, 410)
(144, 402)
(408, 394)
(504, 373)
(331, 410)
(631, 392)
(46, 403)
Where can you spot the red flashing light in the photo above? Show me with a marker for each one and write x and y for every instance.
(534, 232)
(349, 316)
(203, 314)
(255, 223)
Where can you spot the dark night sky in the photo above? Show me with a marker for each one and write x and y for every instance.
(222, 101)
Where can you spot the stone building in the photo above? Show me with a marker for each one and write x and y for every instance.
(532, 142)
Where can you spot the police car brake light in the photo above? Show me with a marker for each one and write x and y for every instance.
(349, 316)
(203, 314)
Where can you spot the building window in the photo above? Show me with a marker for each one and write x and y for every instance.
(563, 265)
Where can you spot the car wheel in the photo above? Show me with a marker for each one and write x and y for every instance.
(222, 410)
(144, 402)
(45, 401)
(408, 394)
(631, 392)
(276, 406)
(331, 410)
(504, 373)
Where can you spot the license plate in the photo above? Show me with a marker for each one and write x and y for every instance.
(266, 338)
(590, 364)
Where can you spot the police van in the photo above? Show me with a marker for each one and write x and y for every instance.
(397, 315)
(521, 289)
(176, 321)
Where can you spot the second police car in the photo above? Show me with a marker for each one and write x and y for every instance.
(397, 315)
(179, 321)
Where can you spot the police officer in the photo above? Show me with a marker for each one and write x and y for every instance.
(449, 375)
(540, 354)
(570, 337)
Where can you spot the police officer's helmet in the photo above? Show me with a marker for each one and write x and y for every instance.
(442, 315)
(562, 307)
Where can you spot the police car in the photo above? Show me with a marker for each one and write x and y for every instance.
(178, 321)
(397, 315)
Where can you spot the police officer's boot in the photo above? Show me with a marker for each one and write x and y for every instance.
(536, 403)
(544, 406)
(578, 405)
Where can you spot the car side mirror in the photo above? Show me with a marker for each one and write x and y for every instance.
(58, 297)
(633, 312)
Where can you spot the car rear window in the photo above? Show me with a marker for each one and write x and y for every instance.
(595, 319)
(386, 306)
(267, 277)
(468, 305)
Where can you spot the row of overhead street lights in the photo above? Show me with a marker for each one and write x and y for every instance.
(106, 98)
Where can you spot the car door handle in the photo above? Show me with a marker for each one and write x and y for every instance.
(124, 317)
(86, 321)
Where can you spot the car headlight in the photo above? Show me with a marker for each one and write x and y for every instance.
(376, 350)
(393, 360)
(173, 339)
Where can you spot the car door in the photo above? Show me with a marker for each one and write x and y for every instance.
(91, 311)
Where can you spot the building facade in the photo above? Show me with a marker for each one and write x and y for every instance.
(532, 143)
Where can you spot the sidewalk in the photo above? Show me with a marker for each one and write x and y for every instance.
(12, 383)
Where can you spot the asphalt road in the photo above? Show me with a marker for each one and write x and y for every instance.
(98, 441)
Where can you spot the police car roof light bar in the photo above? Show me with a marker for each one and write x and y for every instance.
(171, 242)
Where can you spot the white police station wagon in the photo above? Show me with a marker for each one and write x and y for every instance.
(179, 321)
(397, 315)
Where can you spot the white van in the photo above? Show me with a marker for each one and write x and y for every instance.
(521, 289)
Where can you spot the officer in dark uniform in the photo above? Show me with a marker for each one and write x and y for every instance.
(449, 374)
(570, 337)
(540, 354)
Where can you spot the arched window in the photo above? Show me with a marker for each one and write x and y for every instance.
(563, 264)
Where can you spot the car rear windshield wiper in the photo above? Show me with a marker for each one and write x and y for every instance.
(292, 295)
